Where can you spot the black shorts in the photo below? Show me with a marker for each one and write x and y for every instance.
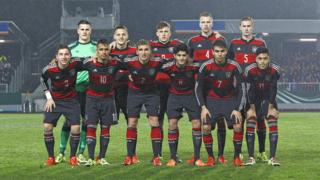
(103, 109)
(176, 104)
(81, 97)
(220, 107)
(135, 101)
(262, 107)
(68, 107)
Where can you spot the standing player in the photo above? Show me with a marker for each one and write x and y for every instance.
(81, 48)
(243, 50)
(63, 76)
(222, 99)
(182, 78)
(201, 51)
(262, 77)
(143, 91)
(100, 100)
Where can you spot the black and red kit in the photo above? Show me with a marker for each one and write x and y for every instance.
(244, 52)
(201, 47)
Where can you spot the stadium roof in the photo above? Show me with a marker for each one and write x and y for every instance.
(10, 33)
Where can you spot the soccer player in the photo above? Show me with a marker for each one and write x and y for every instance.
(222, 98)
(243, 50)
(81, 48)
(262, 77)
(61, 100)
(100, 102)
(182, 76)
(143, 91)
(201, 51)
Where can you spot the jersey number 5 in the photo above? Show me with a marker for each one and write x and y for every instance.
(246, 58)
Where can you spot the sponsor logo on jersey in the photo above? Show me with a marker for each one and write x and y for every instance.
(188, 74)
(228, 74)
(256, 78)
(170, 49)
(76, 51)
(134, 72)
(57, 77)
(95, 70)
(152, 72)
(155, 49)
(72, 72)
(239, 49)
(199, 45)
(111, 69)
(173, 75)
(212, 74)
(268, 77)
(254, 48)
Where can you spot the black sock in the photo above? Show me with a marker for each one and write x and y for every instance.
(155, 139)
(131, 141)
(261, 132)
(104, 140)
(237, 142)
(208, 141)
(273, 137)
(49, 141)
(74, 142)
(197, 140)
(135, 144)
(161, 140)
(221, 134)
(91, 140)
(250, 136)
(172, 140)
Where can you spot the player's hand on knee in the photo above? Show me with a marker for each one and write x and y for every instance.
(113, 45)
(204, 113)
(53, 62)
(273, 112)
(94, 58)
(237, 115)
(48, 107)
(251, 113)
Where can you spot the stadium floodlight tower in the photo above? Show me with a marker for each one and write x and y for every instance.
(104, 16)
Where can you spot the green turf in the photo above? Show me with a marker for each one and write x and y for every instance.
(23, 153)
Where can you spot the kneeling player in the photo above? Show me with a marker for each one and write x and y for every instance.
(182, 78)
(100, 100)
(262, 77)
(63, 75)
(223, 99)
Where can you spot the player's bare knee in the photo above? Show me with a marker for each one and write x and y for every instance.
(75, 128)
(173, 124)
(154, 120)
(196, 123)
(237, 128)
(132, 122)
(47, 127)
(206, 128)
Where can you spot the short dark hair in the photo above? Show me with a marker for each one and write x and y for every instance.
(120, 27)
(103, 41)
(262, 50)
(163, 24)
(220, 43)
(62, 46)
(143, 42)
(206, 14)
(83, 22)
(181, 47)
(246, 18)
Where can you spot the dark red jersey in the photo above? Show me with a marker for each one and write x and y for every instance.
(164, 51)
(122, 79)
(221, 78)
(143, 75)
(201, 47)
(244, 52)
(182, 80)
(101, 77)
(262, 84)
(63, 82)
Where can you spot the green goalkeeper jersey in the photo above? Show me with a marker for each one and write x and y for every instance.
(83, 50)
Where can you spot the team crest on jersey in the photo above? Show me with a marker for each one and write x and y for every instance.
(189, 74)
(170, 49)
(268, 77)
(111, 69)
(254, 49)
(228, 74)
(152, 72)
(72, 72)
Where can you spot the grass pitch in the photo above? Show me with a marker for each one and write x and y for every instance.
(23, 152)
